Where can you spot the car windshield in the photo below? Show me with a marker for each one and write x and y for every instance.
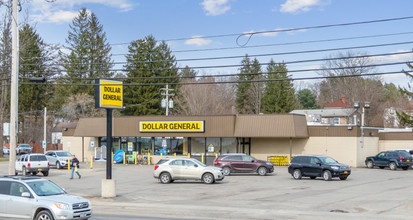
(199, 163)
(327, 160)
(24, 146)
(63, 154)
(45, 188)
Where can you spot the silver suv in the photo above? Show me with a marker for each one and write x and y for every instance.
(23, 149)
(58, 158)
(170, 169)
(37, 198)
(32, 163)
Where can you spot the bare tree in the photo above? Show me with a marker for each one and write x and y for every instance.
(205, 99)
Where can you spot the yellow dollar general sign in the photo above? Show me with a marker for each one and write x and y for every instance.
(171, 126)
(108, 94)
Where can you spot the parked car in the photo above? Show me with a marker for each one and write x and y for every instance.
(58, 158)
(170, 169)
(314, 166)
(37, 198)
(23, 149)
(32, 163)
(6, 150)
(242, 163)
(391, 159)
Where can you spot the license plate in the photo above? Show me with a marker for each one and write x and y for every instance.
(82, 215)
(345, 172)
(39, 169)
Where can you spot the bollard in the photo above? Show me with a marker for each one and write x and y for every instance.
(91, 162)
(112, 159)
(149, 158)
(174, 154)
(189, 155)
(124, 157)
(68, 163)
(202, 158)
(161, 155)
(136, 159)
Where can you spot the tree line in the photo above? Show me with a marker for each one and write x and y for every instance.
(70, 72)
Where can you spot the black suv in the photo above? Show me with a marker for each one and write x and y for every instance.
(242, 163)
(317, 166)
(391, 159)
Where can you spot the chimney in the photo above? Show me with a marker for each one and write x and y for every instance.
(343, 99)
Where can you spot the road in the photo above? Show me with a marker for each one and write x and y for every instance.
(366, 194)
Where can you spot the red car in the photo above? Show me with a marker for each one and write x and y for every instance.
(242, 163)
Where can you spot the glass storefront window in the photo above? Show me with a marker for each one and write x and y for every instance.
(169, 145)
(229, 145)
(197, 146)
(213, 146)
(144, 145)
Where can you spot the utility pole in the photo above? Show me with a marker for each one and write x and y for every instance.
(165, 92)
(44, 128)
(14, 87)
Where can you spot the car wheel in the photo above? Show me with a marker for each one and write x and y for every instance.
(45, 173)
(24, 172)
(44, 215)
(370, 164)
(208, 178)
(393, 166)
(15, 173)
(343, 177)
(312, 177)
(34, 173)
(297, 174)
(262, 171)
(327, 175)
(58, 165)
(381, 167)
(165, 178)
(405, 168)
(226, 171)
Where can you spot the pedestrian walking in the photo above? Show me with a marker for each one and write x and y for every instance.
(74, 167)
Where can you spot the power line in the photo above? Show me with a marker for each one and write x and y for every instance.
(242, 56)
(232, 82)
(241, 74)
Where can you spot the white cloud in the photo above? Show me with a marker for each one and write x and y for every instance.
(198, 41)
(215, 7)
(296, 6)
(395, 58)
(62, 11)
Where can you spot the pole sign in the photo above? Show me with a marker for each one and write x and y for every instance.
(108, 94)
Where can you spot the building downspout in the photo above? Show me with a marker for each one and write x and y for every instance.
(83, 149)
(291, 148)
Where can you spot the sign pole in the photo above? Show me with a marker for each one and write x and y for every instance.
(109, 143)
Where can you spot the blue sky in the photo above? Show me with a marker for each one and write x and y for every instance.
(128, 20)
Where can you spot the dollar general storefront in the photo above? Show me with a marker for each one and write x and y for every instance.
(183, 135)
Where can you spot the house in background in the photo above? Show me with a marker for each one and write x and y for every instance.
(336, 113)
(57, 131)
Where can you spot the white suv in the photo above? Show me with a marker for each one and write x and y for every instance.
(32, 163)
(37, 198)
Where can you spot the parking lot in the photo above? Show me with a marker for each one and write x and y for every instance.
(366, 194)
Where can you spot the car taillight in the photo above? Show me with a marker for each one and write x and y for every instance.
(216, 162)
(156, 167)
(48, 164)
(401, 159)
(28, 164)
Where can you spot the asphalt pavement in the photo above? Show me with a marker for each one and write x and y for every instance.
(366, 194)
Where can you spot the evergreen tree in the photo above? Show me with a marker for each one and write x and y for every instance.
(243, 86)
(279, 94)
(148, 58)
(307, 99)
(89, 57)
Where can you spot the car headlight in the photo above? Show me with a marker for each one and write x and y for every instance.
(269, 163)
(62, 205)
(335, 167)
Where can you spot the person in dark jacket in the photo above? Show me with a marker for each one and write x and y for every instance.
(74, 165)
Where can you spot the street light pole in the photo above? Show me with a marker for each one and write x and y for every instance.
(14, 87)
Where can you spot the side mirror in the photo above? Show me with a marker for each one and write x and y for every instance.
(26, 194)
(196, 165)
(319, 164)
(253, 161)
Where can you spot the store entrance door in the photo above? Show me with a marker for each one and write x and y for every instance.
(246, 145)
